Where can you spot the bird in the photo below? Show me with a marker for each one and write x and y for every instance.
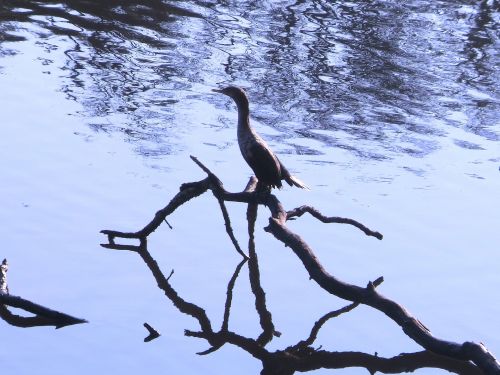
(266, 166)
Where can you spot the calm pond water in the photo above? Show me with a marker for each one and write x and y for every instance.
(388, 110)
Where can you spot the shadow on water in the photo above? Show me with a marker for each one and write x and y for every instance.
(376, 78)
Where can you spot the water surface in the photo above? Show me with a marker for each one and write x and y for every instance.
(389, 111)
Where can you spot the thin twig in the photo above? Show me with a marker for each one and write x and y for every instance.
(299, 211)
(321, 321)
(229, 229)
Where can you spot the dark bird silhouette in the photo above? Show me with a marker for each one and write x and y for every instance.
(267, 167)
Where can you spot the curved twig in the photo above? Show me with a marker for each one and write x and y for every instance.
(299, 211)
(333, 314)
(321, 321)
(227, 223)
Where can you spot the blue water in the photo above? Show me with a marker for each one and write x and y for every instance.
(389, 112)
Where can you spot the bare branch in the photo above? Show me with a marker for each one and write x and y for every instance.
(122, 247)
(206, 170)
(211, 349)
(299, 211)
(405, 362)
(229, 229)
(468, 351)
(187, 192)
(455, 353)
(321, 321)
(43, 315)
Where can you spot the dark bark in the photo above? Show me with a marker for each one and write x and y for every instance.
(465, 358)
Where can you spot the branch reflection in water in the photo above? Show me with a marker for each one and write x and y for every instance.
(301, 356)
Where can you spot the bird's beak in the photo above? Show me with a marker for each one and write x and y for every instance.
(217, 90)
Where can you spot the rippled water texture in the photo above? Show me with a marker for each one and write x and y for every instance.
(382, 79)
(389, 110)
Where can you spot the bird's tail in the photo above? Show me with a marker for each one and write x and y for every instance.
(294, 181)
(291, 180)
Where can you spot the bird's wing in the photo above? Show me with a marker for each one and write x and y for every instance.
(264, 164)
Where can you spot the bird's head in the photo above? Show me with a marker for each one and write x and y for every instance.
(236, 93)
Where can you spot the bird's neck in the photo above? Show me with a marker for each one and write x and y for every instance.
(243, 116)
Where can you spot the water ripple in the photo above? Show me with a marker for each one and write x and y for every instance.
(390, 76)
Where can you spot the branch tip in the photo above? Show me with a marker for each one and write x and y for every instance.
(378, 281)
(170, 226)
(373, 284)
(210, 350)
(169, 276)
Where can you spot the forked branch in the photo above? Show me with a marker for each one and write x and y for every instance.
(458, 354)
